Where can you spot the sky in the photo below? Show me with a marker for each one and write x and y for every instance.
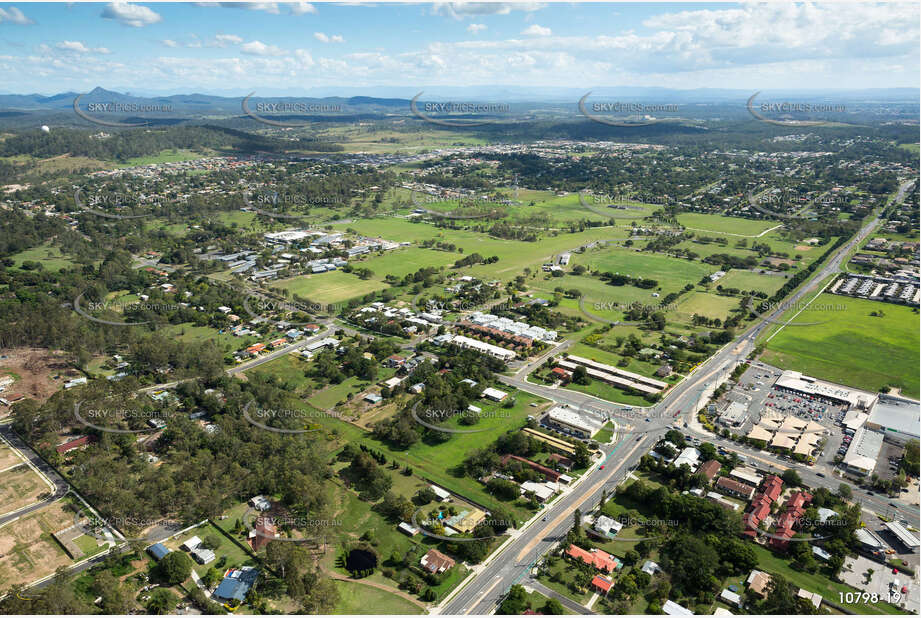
(298, 48)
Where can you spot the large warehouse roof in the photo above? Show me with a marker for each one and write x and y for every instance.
(897, 415)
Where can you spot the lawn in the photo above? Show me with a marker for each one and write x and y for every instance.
(234, 554)
(605, 434)
(671, 273)
(48, 256)
(817, 582)
(852, 348)
(227, 342)
(356, 598)
(440, 463)
(564, 572)
(748, 280)
(706, 304)
(329, 287)
(727, 225)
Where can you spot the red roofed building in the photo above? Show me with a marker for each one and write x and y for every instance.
(794, 509)
(561, 373)
(550, 475)
(602, 584)
(760, 506)
(262, 533)
(75, 443)
(278, 343)
(601, 560)
(254, 349)
(710, 469)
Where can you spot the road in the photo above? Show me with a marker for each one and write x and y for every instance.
(489, 586)
(61, 486)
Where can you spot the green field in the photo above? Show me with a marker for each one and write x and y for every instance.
(747, 280)
(356, 598)
(330, 287)
(48, 256)
(671, 273)
(853, 348)
(440, 463)
(728, 225)
(707, 304)
(225, 341)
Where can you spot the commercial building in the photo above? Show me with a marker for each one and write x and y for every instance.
(734, 415)
(796, 382)
(484, 348)
(613, 375)
(689, 457)
(570, 421)
(905, 537)
(897, 418)
(861, 456)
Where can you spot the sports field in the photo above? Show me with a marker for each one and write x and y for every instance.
(727, 225)
(747, 280)
(852, 347)
(706, 304)
(330, 287)
(671, 273)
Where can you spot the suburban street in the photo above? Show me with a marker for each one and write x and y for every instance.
(489, 586)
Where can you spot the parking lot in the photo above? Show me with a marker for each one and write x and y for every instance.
(883, 582)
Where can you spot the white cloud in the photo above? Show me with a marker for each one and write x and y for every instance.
(13, 15)
(476, 28)
(535, 30)
(258, 48)
(170, 43)
(268, 7)
(222, 40)
(324, 38)
(79, 48)
(301, 8)
(461, 10)
(133, 15)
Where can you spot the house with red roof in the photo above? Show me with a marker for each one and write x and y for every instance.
(602, 584)
(550, 475)
(263, 532)
(784, 527)
(601, 560)
(76, 443)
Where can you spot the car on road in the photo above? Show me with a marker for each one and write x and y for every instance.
(820, 475)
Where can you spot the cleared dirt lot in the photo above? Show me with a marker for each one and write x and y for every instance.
(33, 369)
(27, 550)
(7, 457)
(21, 487)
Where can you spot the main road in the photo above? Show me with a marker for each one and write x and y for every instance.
(638, 432)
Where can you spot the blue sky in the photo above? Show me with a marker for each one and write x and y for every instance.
(297, 48)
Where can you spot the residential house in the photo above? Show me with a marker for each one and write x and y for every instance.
(436, 562)
(601, 560)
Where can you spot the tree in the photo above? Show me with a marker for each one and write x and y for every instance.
(553, 608)
(581, 457)
(577, 523)
(174, 568)
(515, 602)
(580, 376)
(791, 477)
(162, 601)
(844, 491)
